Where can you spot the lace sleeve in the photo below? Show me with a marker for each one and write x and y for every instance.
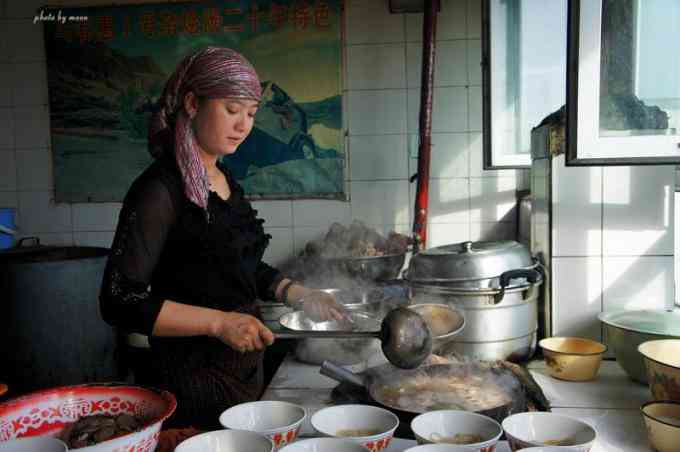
(267, 279)
(143, 224)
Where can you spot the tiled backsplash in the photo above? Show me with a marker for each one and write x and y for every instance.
(613, 230)
(382, 103)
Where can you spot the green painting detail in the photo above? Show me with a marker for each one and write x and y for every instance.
(105, 74)
(664, 383)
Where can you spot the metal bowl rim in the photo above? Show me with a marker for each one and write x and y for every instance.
(604, 317)
(654, 402)
(654, 360)
(559, 352)
(287, 315)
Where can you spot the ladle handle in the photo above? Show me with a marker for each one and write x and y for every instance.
(340, 374)
(325, 334)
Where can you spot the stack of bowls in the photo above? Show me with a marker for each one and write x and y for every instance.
(278, 421)
(662, 415)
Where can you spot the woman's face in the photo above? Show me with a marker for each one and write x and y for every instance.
(221, 125)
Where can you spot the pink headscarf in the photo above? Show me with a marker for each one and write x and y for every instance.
(214, 72)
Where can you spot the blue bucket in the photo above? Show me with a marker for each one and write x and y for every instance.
(7, 220)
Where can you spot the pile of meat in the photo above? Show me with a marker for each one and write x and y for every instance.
(90, 430)
(358, 240)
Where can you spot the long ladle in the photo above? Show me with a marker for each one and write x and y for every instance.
(404, 336)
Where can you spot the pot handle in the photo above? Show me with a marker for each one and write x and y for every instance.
(532, 275)
(21, 242)
(340, 374)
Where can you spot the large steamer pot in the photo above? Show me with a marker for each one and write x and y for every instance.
(495, 285)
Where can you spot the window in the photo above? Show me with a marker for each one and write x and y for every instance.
(624, 82)
(524, 70)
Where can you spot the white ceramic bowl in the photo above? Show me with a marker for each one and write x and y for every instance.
(433, 426)
(439, 448)
(323, 445)
(278, 421)
(226, 441)
(36, 444)
(533, 429)
(339, 422)
(549, 449)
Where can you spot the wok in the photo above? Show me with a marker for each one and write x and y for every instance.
(498, 392)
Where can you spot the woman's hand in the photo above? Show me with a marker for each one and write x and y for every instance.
(320, 306)
(242, 332)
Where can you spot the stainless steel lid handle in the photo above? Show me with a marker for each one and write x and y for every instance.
(531, 275)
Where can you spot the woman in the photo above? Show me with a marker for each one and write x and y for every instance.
(186, 261)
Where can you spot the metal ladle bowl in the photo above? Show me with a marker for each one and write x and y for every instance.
(404, 336)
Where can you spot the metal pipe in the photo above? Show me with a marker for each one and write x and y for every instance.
(425, 124)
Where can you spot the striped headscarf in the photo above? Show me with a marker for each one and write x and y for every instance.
(214, 72)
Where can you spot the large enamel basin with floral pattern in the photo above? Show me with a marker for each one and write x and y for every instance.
(46, 413)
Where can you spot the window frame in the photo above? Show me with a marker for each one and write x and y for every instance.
(584, 31)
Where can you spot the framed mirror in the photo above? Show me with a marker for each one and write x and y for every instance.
(524, 54)
(623, 82)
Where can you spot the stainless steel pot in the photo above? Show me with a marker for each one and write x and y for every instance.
(499, 324)
(494, 284)
(343, 351)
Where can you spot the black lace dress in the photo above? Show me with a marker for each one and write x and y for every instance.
(167, 248)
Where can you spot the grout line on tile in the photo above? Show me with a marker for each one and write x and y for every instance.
(602, 239)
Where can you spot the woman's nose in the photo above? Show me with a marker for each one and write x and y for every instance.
(240, 124)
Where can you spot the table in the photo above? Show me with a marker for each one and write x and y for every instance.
(610, 403)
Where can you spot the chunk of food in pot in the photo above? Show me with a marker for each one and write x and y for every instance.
(91, 430)
(357, 240)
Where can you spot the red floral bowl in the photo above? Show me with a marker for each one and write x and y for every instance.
(48, 412)
(279, 421)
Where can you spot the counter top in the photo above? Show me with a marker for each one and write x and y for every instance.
(610, 403)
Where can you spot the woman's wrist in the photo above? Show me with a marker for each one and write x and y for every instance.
(216, 325)
(291, 292)
(297, 292)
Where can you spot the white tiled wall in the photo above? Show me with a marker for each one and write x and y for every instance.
(613, 230)
(381, 106)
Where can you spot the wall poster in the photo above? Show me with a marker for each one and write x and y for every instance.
(107, 66)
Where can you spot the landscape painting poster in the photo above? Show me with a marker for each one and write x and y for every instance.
(107, 67)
